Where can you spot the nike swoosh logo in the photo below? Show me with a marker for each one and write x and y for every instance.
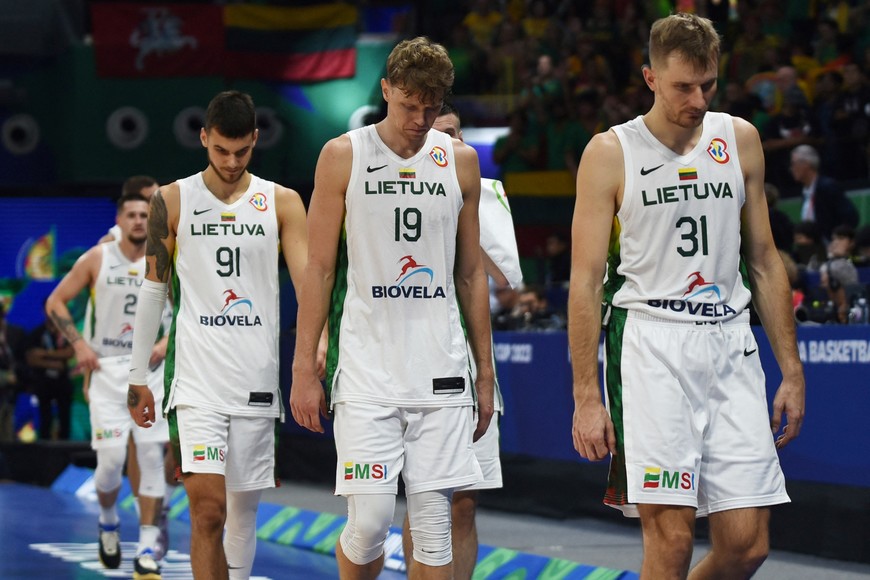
(644, 171)
(115, 266)
(748, 352)
(200, 211)
(371, 169)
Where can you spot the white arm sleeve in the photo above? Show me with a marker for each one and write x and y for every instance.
(149, 313)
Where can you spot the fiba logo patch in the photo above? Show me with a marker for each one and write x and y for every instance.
(258, 200)
(439, 156)
(718, 150)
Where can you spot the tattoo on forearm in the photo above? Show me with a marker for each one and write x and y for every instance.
(158, 230)
(132, 398)
(66, 326)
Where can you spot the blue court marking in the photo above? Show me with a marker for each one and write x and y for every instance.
(54, 531)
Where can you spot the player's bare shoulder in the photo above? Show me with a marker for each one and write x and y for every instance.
(332, 174)
(165, 206)
(288, 204)
(464, 153)
(602, 166)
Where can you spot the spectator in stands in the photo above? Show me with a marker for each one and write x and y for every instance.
(557, 250)
(825, 202)
(11, 372)
(826, 102)
(792, 126)
(505, 316)
(48, 354)
(482, 21)
(506, 59)
(789, 87)
(862, 247)
(827, 42)
(780, 224)
(534, 313)
(536, 21)
(747, 52)
(518, 150)
(839, 277)
(851, 124)
(809, 250)
(565, 139)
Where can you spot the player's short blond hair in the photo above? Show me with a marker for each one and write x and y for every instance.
(421, 67)
(692, 37)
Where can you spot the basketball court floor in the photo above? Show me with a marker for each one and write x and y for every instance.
(51, 533)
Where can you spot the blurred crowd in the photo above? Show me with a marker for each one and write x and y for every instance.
(36, 386)
(558, 71)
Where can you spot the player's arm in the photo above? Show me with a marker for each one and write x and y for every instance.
(771, 293)
(293, 230)
(81, 276)
(599, 179)
(325, 218)
(163, 216)
(471, 285)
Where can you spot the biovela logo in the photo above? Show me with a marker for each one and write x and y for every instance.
(415, 281)
(237, 311)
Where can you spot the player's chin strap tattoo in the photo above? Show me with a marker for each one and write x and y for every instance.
(132, 398)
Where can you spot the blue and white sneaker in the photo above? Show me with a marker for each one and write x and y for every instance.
(110, 545)
(145, 566)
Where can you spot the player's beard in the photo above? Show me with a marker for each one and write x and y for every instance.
(223, 177)
(137, 240)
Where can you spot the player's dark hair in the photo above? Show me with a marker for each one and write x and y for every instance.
(232, 114)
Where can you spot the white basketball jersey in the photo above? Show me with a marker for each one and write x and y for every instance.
(675, 246)
(497, 237)
(395, 332)
(112, 308)
(223, 351)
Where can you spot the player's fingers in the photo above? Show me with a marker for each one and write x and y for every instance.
(610, 433)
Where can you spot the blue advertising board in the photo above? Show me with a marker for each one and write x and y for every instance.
(534, 373)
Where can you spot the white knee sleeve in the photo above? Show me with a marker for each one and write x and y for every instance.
(368, 523)
(429, 521)
(151, 480)
(240, 538)
(110, 467)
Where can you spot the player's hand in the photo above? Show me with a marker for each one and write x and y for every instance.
(485, 387)
(86, 358)
(140, 403)
(308, 401)
(789, 400)
(158, 353)
(593, 433)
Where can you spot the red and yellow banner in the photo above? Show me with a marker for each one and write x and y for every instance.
(297, 44)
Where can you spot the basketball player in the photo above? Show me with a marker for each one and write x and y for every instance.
(144, 185)
(673, 203)
(216, 235)
(501, 262)
(113, 271)
(394, 242)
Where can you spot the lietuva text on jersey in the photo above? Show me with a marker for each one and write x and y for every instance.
(227, 229)
(404, 188)
(686, 191)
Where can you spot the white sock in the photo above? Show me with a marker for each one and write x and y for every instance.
(147, 538)
(108, 516)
